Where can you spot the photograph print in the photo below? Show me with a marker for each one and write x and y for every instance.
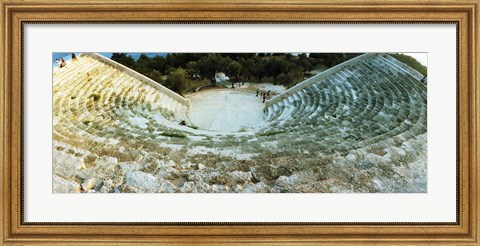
(239, 122)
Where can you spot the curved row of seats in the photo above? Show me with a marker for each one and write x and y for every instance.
(93, 100)
(359, 105)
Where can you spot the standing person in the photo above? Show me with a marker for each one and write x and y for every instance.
(423, 79)
(258, 90)
(74, 57)
(58, 62)
(264, 96)
(63, 64)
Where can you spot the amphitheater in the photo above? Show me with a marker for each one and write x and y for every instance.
(360, 127)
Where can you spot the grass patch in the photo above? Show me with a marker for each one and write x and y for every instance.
(194, 84)
(173, 135)
(270, 133)
(412, 62)
(193, 126)
(167, 113)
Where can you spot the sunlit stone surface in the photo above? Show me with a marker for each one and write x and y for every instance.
(358, 127)
(226, 110)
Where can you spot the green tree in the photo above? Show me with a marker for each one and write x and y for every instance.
(143, 64)
(123, 59)
(259, 69)
(210, 65)
(174, 60)
(155, 75)
(177, 80)
(283, 79)
(304, 63)
(248, 66)
(233, 70)
(192, 70)
(315, 55)
(291, 77)
(158, 63)
(275, 66)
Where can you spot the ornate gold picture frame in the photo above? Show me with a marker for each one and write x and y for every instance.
(465, 14)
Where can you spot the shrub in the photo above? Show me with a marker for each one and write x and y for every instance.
(177, 80)
(412, 62)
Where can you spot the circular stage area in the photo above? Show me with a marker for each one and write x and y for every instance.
(225, 110)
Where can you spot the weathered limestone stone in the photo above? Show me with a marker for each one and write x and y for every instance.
(65, 165)
(269, 174)
(220, 188)
(334, 186)
(140, 182)
(107, 186)
(196, 185)
(213, 177)
(187, 165)
(240, 177)
(187, 187)
(167, 187)
(239, 188)
(170, 163)
(365, 164)
(127, 167)
(168, 173)
(61, 185)
(284, 184)
(362, 182)
(303, 182)
(351, 157)
(160, 163)
(259, 187)
(90, 184)
(106, 160)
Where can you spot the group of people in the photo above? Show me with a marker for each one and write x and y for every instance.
(62, 63)
(263, 94)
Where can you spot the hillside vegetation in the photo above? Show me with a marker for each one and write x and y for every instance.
(412, 62)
